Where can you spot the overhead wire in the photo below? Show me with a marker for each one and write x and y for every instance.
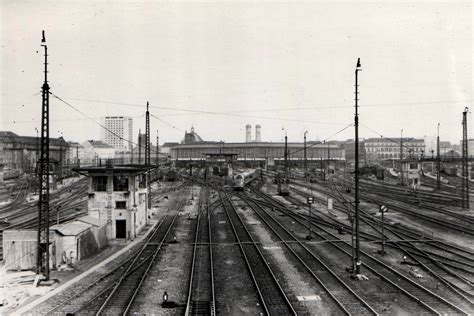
(388, 138)
(208, 112)
(102, 126)
(324, 140)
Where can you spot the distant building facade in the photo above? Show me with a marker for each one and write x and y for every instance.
(379, 149)
(349, 149)
(96, 149)
(75, 153)
(22, 152)
(119, 132)
(259, 151)
(194, 148)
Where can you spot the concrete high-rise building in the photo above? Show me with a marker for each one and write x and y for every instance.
(258, 133)
(119, 131)
(248, 133)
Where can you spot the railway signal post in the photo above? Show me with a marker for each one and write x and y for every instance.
(382, 209)
(310, 201)
(356, 269)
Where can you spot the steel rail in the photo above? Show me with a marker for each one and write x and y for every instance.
(156, 247)
(459, 291)
(120, 267)
(204, 194)
(427, 292)
(290, 246)
(252, 242)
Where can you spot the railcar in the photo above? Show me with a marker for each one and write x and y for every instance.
(242, 178)
(11, 174)
(224, 172)
(283, 186)
(171, 175)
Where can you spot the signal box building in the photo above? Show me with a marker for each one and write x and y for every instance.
(118, 196)
(410, 173)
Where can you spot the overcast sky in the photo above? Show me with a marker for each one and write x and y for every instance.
(220, 65)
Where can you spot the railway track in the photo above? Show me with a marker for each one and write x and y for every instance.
(201, 289)
(118, 297)
(274, 300)
(459, 285)
(398, 206)
(427, 299)
(447, 255)
(349, 302)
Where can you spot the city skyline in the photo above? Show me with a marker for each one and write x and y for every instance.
(218, 67)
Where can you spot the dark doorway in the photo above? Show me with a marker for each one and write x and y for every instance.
(120, 228)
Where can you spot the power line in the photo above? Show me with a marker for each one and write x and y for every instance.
(324, 140)
(316, 108)
(169, 124)
(102, 126)
(209, 112)
(403, 104)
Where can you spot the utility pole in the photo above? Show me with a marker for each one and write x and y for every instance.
(382, 209)
(139, 146)
(310, 200)
(438, 156)
(157, 149)
(305, 156)
(401, 157)
(77, 155)
(37, 152)
(465, 164)
(328, 161)
(356, 171)
(42, 259)
(286, 155)
(60, 164)
(147, 136)
(147, 154)
(321, 167)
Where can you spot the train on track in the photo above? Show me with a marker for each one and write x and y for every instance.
(243, 178)
(11, 174)
(283, 184)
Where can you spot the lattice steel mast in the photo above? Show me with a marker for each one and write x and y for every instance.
(465, 165)
(147, 136)
(147, 153)
(438, 163)
(42, 261)
(139, 146)
(286, 155)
